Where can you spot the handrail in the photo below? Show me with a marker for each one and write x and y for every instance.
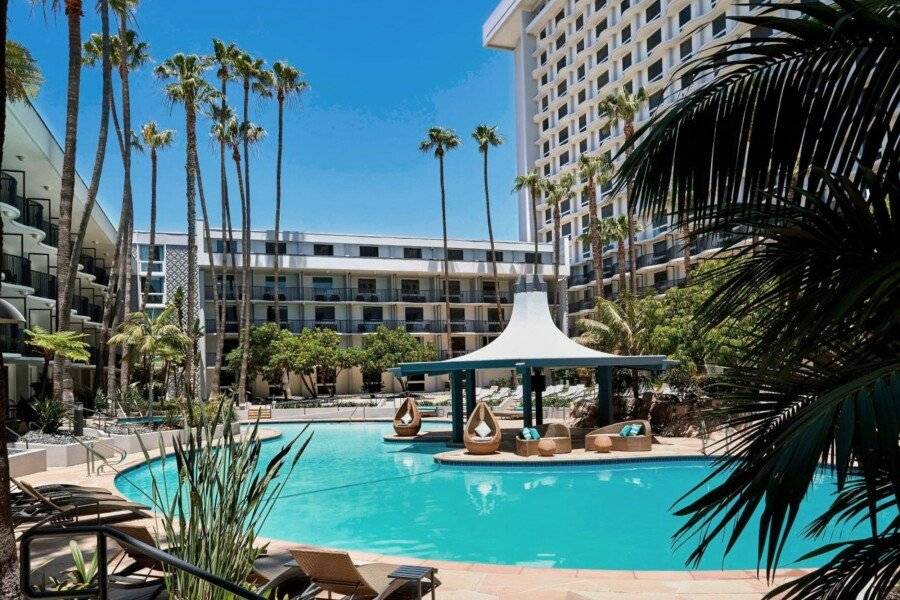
(18, 437)
(102, 532)
(93, 455)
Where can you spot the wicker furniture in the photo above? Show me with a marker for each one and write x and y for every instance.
(557, 432)
(408, 419)
(634, 443)
(482, 444)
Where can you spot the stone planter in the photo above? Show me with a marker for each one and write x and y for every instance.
(66, 455)
(27, 462)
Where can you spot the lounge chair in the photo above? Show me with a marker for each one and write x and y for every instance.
(104, 508)
(556, 432)
(633, 443)
(482, 432)
(508, 409)
(408, 419)
(259, 413)
(333, 572)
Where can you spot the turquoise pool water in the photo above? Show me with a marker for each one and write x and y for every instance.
(353, 490)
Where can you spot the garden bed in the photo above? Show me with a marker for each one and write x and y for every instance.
(26, 461)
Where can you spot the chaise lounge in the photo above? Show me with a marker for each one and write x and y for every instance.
(482, 433)
(641, 442)
(558, 433)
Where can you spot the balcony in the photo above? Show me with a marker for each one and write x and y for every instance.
(706, 242)
(366, 295)
(580, 305)
(44, 285)
(581, 278)
(11, 340)
(361, 326)
(659, 287)
(655, 258)
(16, 270)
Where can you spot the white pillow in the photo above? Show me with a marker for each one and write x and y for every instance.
(483, 430)
(406, 419)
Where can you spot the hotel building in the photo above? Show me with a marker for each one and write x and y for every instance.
(350, 284)
(29, 207)
(568, 56)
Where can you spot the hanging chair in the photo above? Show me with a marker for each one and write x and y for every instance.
(482, 432)
(408, 419)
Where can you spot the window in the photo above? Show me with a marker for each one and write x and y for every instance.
(415, 314)
(579, 22)
(323, 284)
(628, 87)
(498, 256)
(761, 31)
(580, 73)
(602, 80)
(412, 253)
(221, 246)
(409, 287)
(324, 313)
(654, 100)
(686, 81)
(546, 148)
(282, 248)
(598, 4)
(565, 206)
(600, 28)
(567, 229)
(543, 58)
(368, 251)
(373, 313)
(718, 25)
(579, 46)
(563, 111)
(323, 249)
(548, 237)
(545, 124)
(626, 34)
(625, 5)
(365, 286)
(626, 62)
(561, 64)
(686, 48)
(457, 314)
(654, 71)
(560, 41)
(544, 79)
(548, 215)
(529, 258)
(604, 133)
(582, 146)
(582, 96)
(684, 15)
(546, 170)
(561, 89)
(543, 33)
(582, 123)
(563, 136)
(653, 40)
(282, 313)
(564, 158)
(159, 251)
(560, 16)
(602, 54)
(454, 254)
(652, 11)
(545, 102)
(606, 212)
(155, 295)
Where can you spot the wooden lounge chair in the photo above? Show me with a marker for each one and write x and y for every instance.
(474, 441)
(102, 508)
(259, 413)
(556, 432)
(408, 419)
(633, 443)
(333, 572)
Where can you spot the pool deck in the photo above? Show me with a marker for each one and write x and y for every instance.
(480, 581)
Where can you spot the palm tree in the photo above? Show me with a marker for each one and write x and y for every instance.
(624, 106)
(615, 230)
(192, 90)
(595, 172)
(819, 380)
(618, 328)
(155, 139)
(532, 182)
(487, 136)
(146, 340)
(65, 345)
(286, 81)
(556, 193)
(23, 76)
(438, 140)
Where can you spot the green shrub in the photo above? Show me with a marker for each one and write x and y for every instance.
(50, 414)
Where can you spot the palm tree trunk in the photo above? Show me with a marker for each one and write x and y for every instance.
(213, 384)
(73, 10)
(490, 228)
(9, 564)
(229, 241)
(534, 227)
(150, 257)
(278, 200)
(446, 257)
(686, 235)
(620, 257)
(245, 242)
(244, 329)
(557, 243)
(191, 295)
(596, 246)
(127, 266)
(629, 210)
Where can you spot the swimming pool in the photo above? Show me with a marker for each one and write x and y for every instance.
(352, 490)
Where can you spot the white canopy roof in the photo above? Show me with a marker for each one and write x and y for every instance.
(532, 339)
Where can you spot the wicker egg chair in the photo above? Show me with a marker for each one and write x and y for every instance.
(476, 444)
(407, 427)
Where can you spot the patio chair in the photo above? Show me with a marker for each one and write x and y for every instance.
(556, 432)
(508, 409)
(333, 572)
(482, 432)
(408, 419)
(642, 442)
(105, 508)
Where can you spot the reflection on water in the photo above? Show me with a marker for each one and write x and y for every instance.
(483, 490)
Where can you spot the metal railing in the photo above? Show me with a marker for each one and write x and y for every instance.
(366, 295)
(103, 533)
(92, 455)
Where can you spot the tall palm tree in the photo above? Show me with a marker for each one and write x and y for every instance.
(286, 81)
(618, 328)
(819, 380)
(486, 136)
(532, 182)
(615, 230)
(155, 139)
(438, 141)
(624, 106)
(595, 172)
(556, 192)
(190, 89)
(23, 76)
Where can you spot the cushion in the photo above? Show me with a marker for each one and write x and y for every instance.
(406, 419)
(625, 431)
(526, 433)
(637, 429)
(534, 433)
(483, 430)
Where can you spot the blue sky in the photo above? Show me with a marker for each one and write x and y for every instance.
(380, 74)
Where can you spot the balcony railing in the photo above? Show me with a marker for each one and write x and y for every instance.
(44, 285)
(706, 242)
(329, 295)
(655, 258)
(362, 326)
(16, 270)
(11, 339)
(581, 278)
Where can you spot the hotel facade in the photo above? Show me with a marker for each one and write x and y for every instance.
(350, 284)
(29, 207)
(568, 56)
